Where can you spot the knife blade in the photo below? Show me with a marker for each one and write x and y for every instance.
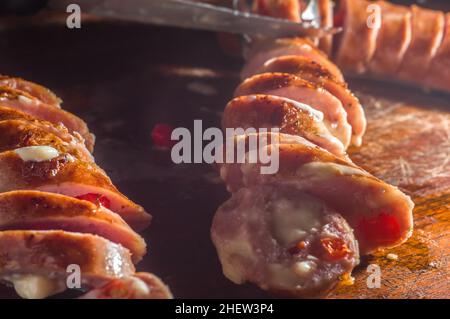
(195, 15)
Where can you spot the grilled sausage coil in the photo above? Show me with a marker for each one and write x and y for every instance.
(300, 231)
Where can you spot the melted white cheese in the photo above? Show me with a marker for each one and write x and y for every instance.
(292, 221)
(282, 276)
(139, 286)
(26, 100)
(34, 287)
(326, 170)
(290, 277)
(304, 268)
(37, 153)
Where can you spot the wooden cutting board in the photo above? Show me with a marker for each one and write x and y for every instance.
(123, 79)
(408, 145)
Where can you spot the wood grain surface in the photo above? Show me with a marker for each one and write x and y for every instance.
(408, 144)
(123, 79)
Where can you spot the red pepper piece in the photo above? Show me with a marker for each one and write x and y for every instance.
(383, 228)
(97, 199)
(335, 248)
(162, 136)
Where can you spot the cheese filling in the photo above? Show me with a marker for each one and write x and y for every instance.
(292, 221)
(286, 277)
(323, 170)
(28, 101)
(37, 153)
(34, 286)
(139, 287)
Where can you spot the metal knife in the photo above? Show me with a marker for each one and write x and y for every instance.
(195, 15)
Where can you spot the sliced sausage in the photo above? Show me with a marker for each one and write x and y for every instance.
(139, 286)
(394, 39)
(64, 175)
(427, 35)
(21, 133)
(297, 46)
(7, 113)
(438, 75)
(295, 88)
(358, 42)
(380, 214)
(290, 117)
(326, 20)
(36, 90)
(247, 148)
(284, 241)
(24, 102)
(313, 72)
(33, 210)
(36, 262)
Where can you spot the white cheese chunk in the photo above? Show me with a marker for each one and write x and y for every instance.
(392, 257)
(37, 153)
(139, 287)
(304, 268)
(288, 277)
(323, 170)
(282, 276)
(35, 287)
(26, 100)
(292, 221)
